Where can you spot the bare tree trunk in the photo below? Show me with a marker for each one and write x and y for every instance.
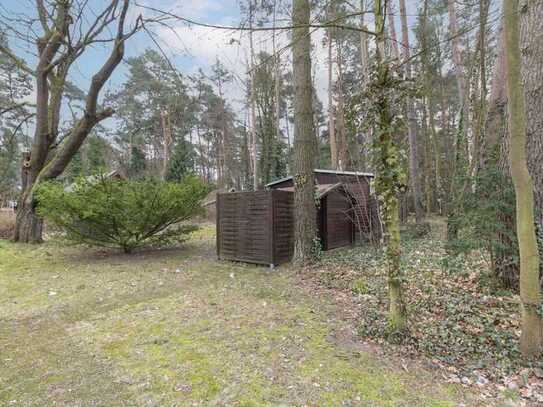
(392, 29)
(277, 69)
(167, 133)
(331, 112)
(459, 68)
(343, 153)
(531, 40)
(532, 335)
(480, 110)
(253, 101)
(364, 49)
(412, 122)
(305, 230)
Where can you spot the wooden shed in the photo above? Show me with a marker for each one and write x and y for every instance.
(258, 227)
(347, 204)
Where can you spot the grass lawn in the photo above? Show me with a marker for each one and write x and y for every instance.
(83, 327)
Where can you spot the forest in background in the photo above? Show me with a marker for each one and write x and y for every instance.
(437, 97)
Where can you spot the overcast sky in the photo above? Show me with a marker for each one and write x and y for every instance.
(190, 47)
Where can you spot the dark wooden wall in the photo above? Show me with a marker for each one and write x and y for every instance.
(258, 227)
(339, 225)
(363, 212)
(283, 234)
(255, 227)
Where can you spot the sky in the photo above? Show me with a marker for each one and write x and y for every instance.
(189, 48)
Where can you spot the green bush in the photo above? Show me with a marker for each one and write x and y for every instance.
(102, 211)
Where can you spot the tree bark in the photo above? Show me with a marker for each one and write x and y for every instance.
(253, 102)
(532, 334)
(304, 137)
(331, 113)
(343, 153)
(459, 67)
(277, 83)
(480, 108)
(531, 43)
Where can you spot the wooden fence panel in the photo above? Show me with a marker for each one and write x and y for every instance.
(244, 220)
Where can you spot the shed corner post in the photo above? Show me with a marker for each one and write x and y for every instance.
(271, 226)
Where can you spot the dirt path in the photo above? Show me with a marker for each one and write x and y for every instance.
(84, 328)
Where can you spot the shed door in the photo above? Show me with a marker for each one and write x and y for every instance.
(339, 227)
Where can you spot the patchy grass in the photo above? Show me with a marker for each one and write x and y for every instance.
(176, 327)
(457, 318)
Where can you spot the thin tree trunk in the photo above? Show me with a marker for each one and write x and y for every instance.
(532, 335)
(364, 49)
(331, 113)
(459, 69)
(343, 153)
(392, 29)
(253, 101)
(305, 230)
(277, 64)
(412, 121)
(167, 133)
(480, 111)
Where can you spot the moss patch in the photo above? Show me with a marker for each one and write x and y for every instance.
(177, 327)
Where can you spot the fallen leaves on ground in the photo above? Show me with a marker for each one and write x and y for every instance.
(458, 319)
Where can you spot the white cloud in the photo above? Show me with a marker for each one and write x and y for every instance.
(202, 46)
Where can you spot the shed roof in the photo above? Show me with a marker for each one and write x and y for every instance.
(322, 189)
(319, 171)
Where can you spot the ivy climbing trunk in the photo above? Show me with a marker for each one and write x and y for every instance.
(531, 337)
(388, 175)
(305, 215)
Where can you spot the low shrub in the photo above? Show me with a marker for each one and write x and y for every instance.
(102, 211)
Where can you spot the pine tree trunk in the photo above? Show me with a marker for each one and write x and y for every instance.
(331, 113)
(393, 43)
(343, 153)
(253, 102)
(364, 50)
(277, 82)
(458, 67)
(531, 338)
(411, 122)
(304, 137)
